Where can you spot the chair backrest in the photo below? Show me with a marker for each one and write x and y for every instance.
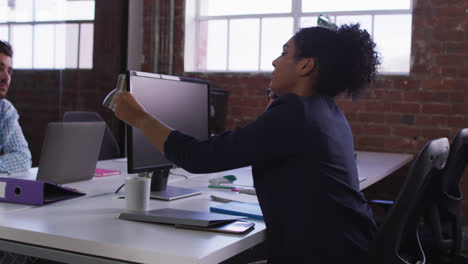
(444, 218)
(109, 148)
(397, 240)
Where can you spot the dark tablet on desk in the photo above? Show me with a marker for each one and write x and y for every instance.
(180, 217)
(237, 227)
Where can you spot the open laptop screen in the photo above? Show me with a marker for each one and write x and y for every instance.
(70, 151)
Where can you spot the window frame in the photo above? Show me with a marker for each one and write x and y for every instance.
(296, 14)
(33, 23)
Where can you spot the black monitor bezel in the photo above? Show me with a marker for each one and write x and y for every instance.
(129, 129)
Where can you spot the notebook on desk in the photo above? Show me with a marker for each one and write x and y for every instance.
(70, 151)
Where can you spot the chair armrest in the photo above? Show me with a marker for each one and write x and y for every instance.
(461, 259)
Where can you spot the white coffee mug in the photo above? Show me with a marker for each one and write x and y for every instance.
(137, 193)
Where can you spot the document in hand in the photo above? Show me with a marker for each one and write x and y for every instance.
(33, 192)
(179, 217)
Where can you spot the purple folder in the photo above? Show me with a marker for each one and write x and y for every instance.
(33, 192)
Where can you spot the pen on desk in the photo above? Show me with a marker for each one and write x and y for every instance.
(221, 187)
(220, 199)
(246, 191)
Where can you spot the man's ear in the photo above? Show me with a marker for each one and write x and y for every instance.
(306, 66)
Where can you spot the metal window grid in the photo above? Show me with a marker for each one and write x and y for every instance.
(296, 13)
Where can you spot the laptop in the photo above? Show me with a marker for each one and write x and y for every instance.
(70, 151)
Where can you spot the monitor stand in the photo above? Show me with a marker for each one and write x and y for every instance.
(160, 190)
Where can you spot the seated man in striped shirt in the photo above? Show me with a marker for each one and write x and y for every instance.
(14, 152)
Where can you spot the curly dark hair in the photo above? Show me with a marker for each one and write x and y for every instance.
(346, 57)
(6, 48)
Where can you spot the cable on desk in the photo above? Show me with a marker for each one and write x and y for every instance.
(176, 174)
(121, 186)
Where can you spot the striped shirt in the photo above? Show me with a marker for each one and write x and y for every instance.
(15, 155)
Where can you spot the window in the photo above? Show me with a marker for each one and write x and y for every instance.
(247, 35)
(49, 34)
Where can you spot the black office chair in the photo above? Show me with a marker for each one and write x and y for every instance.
(443, 219)
(397, 240)
(109, 148)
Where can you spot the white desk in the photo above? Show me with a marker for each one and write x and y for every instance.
(87, 229)
(374, 166)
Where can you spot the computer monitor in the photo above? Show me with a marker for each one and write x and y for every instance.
(179, 102)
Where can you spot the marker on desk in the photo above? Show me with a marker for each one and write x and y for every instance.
(246, 191)
(216, 182)
(220, 199)
(224, 179)
(221, 187)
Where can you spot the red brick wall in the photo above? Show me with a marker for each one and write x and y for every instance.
(399, 113)
(36, 94)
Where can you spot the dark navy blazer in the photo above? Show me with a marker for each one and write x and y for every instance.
(302, 156)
